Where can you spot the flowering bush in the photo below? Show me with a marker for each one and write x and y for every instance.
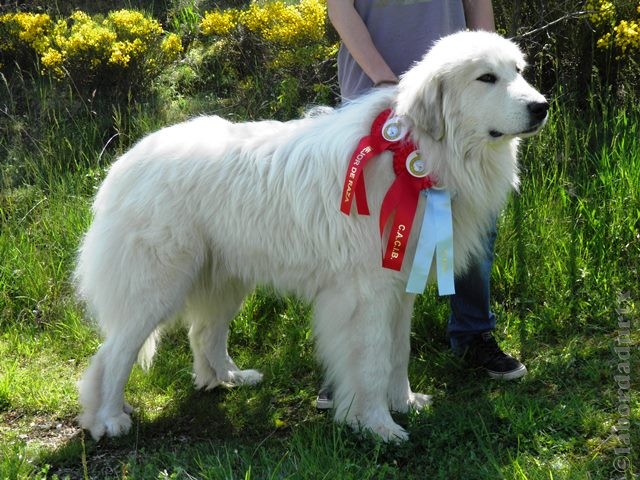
(286, 24)
(282, 43)
(276, 50)
(219, 23)
(624, 34)
(25, 28)
(22, 35)
(295, 32)
(125, 45)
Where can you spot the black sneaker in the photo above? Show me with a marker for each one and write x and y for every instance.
(484, 352)
(324, 400)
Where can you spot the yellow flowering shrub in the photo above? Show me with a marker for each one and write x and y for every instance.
(219, 23)
(130, 25)
(171, 46)
(626, 35)
(286, 24)
(23, 36)
(622, 34)
(294, 31)
(125, 43)
(279, 44)
(29, 29)
(601, 12)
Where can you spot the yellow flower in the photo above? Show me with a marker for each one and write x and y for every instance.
(624, 36)
(30, 28)
(119, 55)
(286, 24)
(602, 12)
(219, 23)
(130, 24)
(53, 60)
(604, 42)
(627, 35)
(80, 17)
(171, 46)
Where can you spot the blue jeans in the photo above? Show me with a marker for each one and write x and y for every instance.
(470, 306)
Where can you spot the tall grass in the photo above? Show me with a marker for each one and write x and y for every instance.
(567, 262)
(573, 231)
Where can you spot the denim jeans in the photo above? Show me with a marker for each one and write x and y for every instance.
(470, 306)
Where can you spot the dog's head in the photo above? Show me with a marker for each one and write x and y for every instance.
(472, 82)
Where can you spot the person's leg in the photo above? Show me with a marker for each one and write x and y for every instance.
(472, 322)
(470, 306)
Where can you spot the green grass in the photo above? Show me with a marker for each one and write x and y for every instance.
(566, 271)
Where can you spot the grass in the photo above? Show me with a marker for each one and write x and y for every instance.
(566, 273)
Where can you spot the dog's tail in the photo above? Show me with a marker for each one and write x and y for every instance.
(148, 350)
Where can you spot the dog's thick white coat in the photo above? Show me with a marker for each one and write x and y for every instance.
(196, 215)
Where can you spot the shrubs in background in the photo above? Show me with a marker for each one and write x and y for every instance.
(271, 57)
(124, 48)
(276, 48)
(76, 90)
(280, 50)
(619, 28)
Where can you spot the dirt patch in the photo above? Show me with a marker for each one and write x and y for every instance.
(39, 431)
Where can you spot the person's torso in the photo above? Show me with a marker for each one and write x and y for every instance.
(402, 31)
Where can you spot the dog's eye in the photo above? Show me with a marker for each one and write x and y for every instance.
(488, 78)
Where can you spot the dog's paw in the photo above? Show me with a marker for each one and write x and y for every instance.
(111, 426)
(208, 382)
(229, 379)
(388, 432)
(87, 421)
(418, 401)
(377, 421)
(236, 378)
(118, 424)
(415, 401)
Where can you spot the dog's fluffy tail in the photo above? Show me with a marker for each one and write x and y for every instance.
(148, 350)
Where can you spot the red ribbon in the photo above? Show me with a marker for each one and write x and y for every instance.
(370, 146)
(402, 196)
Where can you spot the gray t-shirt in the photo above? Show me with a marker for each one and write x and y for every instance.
(402, 31)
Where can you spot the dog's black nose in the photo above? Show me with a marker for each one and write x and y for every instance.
(538, 110)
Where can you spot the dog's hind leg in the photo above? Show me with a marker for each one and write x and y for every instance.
(400, 396)
(353, 329)
(102, 388)
(209, 311)
(131, 293)
(102, 385)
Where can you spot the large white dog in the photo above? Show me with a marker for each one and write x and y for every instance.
(196, 215)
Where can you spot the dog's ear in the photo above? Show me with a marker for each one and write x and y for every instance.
(420, 99)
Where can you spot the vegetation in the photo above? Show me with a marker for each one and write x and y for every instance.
(565, 284)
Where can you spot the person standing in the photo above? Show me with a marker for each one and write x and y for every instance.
(381, 39)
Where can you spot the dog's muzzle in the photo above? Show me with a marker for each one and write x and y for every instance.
(538, 112)
(537, 117)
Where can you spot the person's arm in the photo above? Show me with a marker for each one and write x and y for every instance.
(356, 38)
(479, 15)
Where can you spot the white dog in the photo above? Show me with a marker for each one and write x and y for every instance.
(196, 215)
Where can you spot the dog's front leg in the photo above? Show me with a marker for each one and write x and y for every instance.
(354, 335)
(401, 398)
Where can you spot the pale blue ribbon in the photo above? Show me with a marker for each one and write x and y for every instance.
(436, 237)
